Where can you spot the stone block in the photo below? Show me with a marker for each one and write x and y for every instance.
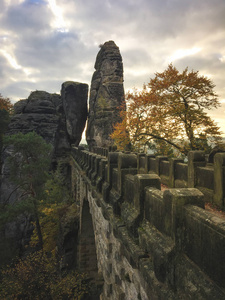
(195, 159)
(141, 181)
(219, 179)
(174, 200)
(173, 162)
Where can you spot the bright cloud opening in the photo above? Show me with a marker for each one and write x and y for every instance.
(180, 53)
(59, 22)
(11, 60)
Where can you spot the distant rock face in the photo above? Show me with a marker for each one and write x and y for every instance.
(106, 96)
(60, 120)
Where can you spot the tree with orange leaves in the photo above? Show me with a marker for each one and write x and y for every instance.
(170, 111)
(5, 111)
(5, 104)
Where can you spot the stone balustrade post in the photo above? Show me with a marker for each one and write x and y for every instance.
(141, 181)
(139, 163)
(127, 164)
(219, 180)
(96, 169)
(112, 163)
(174, 200)
(195, 159)
(92, 166)
(101, 174)
(158, 161)
(173, 162)
(148, 162)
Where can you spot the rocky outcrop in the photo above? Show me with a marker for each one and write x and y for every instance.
(41, 113)
(74, 99)
(59, 119)
(106, 96)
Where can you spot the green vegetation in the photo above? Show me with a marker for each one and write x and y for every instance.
(36, 277)
(44, 196)
(29, 163)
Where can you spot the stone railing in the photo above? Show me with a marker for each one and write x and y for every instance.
(209, 178)
(168, 236)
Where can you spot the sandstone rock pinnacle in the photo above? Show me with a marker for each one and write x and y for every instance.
(106, 96)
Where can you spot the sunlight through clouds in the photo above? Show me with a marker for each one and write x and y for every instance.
(59, 23)
(12, 61)
(181, 53)
(14, 64)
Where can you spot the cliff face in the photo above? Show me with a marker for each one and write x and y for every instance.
(106, 96)
(60, 120)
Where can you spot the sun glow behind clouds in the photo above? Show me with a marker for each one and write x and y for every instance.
(59, 22)
(11, 60)
(180, 53)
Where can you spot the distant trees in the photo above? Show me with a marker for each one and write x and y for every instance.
(170, 113)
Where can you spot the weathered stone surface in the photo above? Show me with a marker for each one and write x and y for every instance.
(19, 106)
(74, 99)
(38, 113)
(106, 96)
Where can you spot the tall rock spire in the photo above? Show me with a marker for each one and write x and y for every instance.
(106, 96)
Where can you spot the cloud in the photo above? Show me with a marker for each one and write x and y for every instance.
(46, 42)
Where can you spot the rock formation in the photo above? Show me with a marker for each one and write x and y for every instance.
(60, 120)
(106, 96)
(39, 113)
(75, 111)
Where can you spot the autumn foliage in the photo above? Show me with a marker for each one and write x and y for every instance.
(5, 111)
(5, 103)
(170, 111)
(35, 277)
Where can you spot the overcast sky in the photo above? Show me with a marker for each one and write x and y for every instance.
(46, 42)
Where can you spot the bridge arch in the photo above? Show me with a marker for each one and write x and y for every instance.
(87, 250)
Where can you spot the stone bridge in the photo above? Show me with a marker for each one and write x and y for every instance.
(147, 243)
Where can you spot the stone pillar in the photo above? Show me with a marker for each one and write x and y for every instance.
(158, 160)
(174, 200)
(195, 159)
(141, 181)
(112, 163)
(219, 179)
(127, 164)
(101, 175)
(140, 167)
(173, 162)
(147, 162)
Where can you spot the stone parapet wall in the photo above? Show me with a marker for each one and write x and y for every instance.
(151, 244)
(209, 178)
